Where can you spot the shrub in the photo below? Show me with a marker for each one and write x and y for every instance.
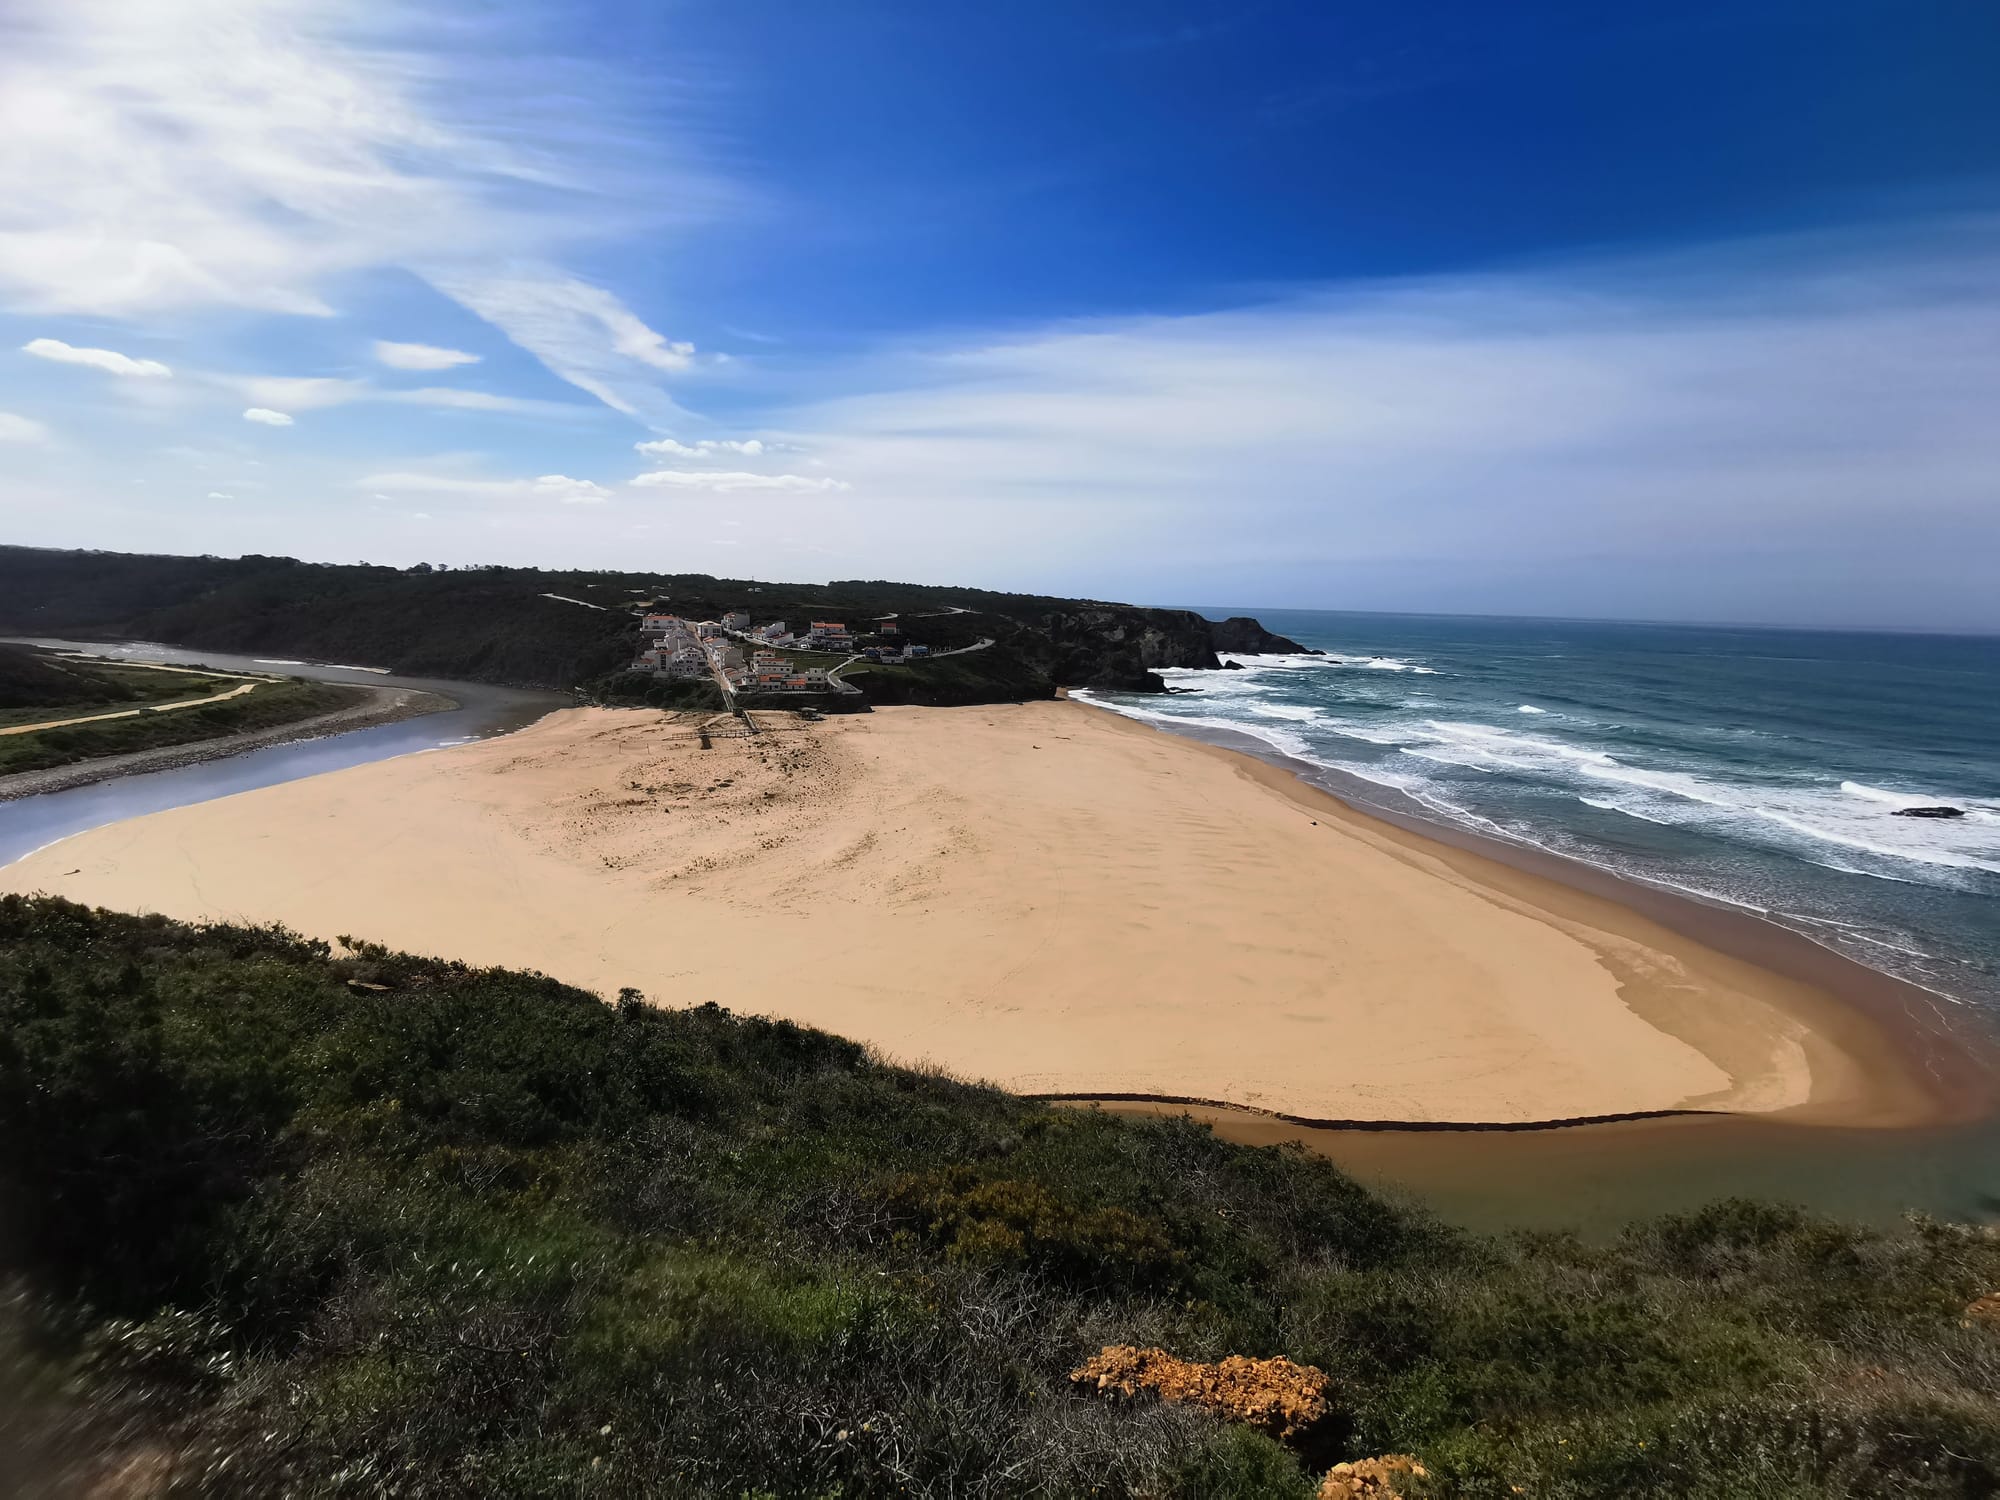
(293, 1222)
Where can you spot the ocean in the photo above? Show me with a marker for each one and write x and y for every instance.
(1761, 769)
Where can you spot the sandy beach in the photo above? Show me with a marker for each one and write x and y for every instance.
(1044, 895)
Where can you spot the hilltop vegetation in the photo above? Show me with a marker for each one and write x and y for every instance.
(269, 706)
(35, 679)
(533, 628)
(291, 1221)
(150, 709)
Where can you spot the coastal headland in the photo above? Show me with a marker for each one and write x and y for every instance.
(1041, 895)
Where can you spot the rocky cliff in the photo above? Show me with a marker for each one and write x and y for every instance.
(1246, 637)
(1120, 647)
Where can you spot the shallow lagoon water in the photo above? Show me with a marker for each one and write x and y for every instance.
(32, 823)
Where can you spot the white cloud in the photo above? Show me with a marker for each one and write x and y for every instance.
(299, 392)
(727, 481)
(1779, 431)
(219, 495)
(581, 332)
(253, 153)
(313, 392)
(19, 429)
(557, 487)
(267, 417)
(449, 396)
(108, 360)
(707, 447)
(421, 356)
(570, 491)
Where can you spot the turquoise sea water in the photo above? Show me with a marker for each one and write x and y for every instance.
(1752, 768)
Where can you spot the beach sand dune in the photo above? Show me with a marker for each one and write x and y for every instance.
(1044, 896)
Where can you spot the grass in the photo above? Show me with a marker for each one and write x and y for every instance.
(315, 1221)
(271, 704)
(996, 674)
(47, 686)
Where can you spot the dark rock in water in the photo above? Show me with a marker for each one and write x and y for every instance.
(1232, 666)
(1241, 633)
(1928, 812)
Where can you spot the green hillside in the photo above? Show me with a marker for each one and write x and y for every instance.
(549, 629)
(285, 1222)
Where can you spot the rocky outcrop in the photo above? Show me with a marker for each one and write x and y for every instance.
(1386, 1478)
(1243, 635)
(1277, 1397)
(1120, 648)
(1928, 812)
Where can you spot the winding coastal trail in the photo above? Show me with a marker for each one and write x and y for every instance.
(132, 713)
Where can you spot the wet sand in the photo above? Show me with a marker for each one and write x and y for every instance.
(1041, 895)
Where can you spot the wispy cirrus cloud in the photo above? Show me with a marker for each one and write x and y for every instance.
(730, 481)
(108, 360)
(263, 416)
(421, 356)
(15, 428)
(1621, 436)
(581, 332)
(559, 488)
(250, 153)
(315, 392)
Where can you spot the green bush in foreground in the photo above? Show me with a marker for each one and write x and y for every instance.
(285, 1222)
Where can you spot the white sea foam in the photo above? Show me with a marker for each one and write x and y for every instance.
(1620, 807)
(1877, 794)
(1805, 819)
(1443, 758)
(1529, 708)
(1977, 809)
(271, 661)
(1376, 663)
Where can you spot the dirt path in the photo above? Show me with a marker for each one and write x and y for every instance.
(383, 706)
(132, 713)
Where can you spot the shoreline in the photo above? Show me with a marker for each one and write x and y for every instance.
(385, 705)
(1958, 1063)
(1120, 913)
(1936, 1075)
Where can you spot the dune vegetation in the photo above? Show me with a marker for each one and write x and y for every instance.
(291, 1218)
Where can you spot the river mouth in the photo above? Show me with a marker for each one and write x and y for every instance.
(480, 711)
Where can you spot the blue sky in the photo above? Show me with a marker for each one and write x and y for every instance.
(1664, 312)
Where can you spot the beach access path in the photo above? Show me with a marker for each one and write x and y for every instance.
(1042, 895)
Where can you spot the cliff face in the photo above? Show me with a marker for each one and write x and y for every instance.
(1246, 637)
(1119, 648)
